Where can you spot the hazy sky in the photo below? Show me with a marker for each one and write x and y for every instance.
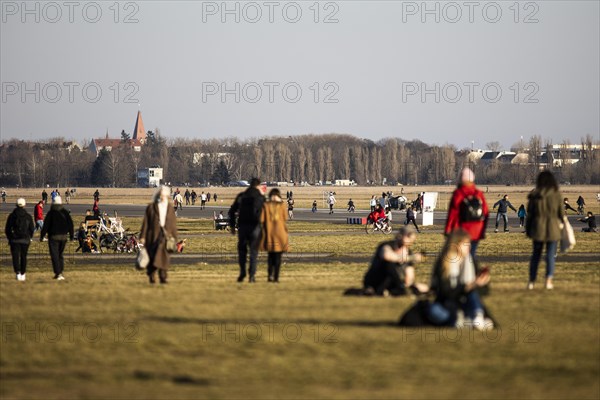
(485, 71)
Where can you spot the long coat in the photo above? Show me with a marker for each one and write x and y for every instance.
(154, 240)
(544, 215)
(273, 220)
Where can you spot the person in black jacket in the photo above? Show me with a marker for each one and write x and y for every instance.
(392, 268)
(503, 206)
(591, 221)
(57, 224)
(19, 231)
(247, 207)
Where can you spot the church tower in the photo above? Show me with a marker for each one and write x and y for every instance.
(139, 132)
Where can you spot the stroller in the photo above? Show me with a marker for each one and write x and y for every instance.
(114, 237)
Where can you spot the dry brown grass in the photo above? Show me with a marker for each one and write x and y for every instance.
(304, 196)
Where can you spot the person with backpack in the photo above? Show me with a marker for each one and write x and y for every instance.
(468, 210)
(19, 231)
(246, 209)
(503, 205)
(57, 225)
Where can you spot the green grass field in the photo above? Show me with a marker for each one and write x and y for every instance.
(106, 333)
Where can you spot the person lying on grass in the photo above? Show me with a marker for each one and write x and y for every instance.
(392, 268)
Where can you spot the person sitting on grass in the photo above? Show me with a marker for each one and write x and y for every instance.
(591, 221)
(392, 268)
(455, 282)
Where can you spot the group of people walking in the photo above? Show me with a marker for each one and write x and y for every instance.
(260, 225)
(20, 228)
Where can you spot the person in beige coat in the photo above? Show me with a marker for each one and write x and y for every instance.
(544, 224)
(274, 238)
(159, 214)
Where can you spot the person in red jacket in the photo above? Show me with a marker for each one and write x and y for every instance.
(38, 215)
(468, 210)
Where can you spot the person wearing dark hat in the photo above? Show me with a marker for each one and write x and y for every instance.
(247, 207)
(57, 224)
(19, 231)
(392, 268)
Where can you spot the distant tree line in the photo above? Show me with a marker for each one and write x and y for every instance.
(307, 158)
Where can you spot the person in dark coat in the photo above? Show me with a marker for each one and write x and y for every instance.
(44, 196)
(392, 268)
(544, 224)
(159, 220)
(19, 231)
(591, 221)
(410, 217)
(57, 225)
(247, 207)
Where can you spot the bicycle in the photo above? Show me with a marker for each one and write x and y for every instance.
(382, 226)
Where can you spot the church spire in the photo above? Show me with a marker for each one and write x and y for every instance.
(139, 132)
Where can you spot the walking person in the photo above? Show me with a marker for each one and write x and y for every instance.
(373, 203)
(290, 207)
(68, 196)
(194, 196)
(178, 201)
(568, 206)
(187, 195)
(274, 238)
(158, 226)
(468, 210)
(247, 207)
(3, 196)
(331, 201)
(96, 195)
(202, 200)
(208, 197)
(544, 224)
(19, 231)
(57, 224)
(314, 206)
(503, 205)
(522, 214)
(215, 197)
(38, 215)
(580, 205)
(44, 196)
(410, 217)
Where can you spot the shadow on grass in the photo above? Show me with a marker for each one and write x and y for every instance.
(198, 321)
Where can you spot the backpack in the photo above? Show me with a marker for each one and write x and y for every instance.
(471, 209)
(20, 228)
